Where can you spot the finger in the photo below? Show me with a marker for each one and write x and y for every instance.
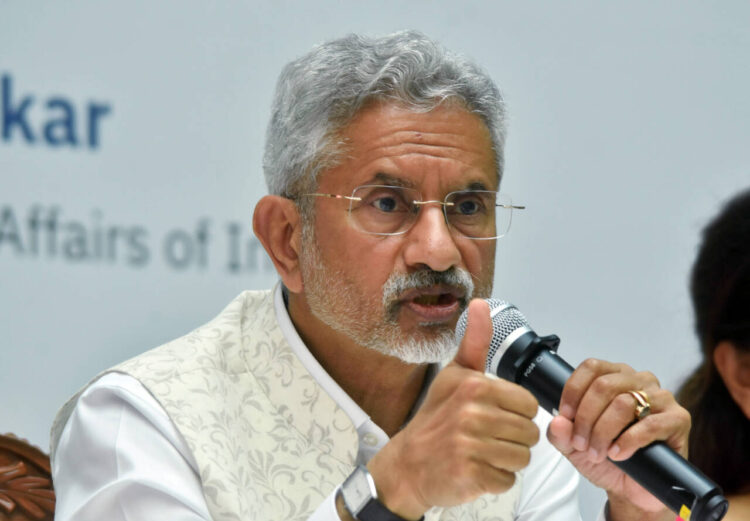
(669, 423)
(613, 421)
(608, 400)
(495, 480)
(477, 477)
(481, 388)
(517, 429)
(597, 399)
(597, 386)
(579, 382)
(490, 424)
(506, 455)
(472, 353)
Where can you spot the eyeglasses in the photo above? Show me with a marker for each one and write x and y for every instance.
(393, 210)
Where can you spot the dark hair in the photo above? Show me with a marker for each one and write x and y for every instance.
(720, 289)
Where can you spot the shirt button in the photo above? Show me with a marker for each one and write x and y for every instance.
(370, 439)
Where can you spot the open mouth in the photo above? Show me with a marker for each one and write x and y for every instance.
(442, 299)
(433, 305)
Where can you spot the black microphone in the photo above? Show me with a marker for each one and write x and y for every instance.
(518, 354)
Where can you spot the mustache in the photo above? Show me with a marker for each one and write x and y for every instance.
(398, 283)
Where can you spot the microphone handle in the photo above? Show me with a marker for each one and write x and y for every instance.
(656, 467)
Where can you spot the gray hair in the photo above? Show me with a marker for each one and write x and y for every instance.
(320, 93)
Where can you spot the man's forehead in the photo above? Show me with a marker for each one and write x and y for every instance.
(448, 114)
(387, 143)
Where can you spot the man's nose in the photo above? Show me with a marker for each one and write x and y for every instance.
(431, 242)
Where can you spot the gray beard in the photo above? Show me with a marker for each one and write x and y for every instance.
(329, 296)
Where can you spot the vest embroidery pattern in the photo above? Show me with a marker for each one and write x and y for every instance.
(269, 442)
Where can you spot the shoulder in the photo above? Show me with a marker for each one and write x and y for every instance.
(120, 443)
(113, 402)
(209, 346)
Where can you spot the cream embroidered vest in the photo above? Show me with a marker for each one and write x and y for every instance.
(270, 444)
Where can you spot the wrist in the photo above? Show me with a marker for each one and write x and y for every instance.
(394, 489)
(341, 510)
(402, 505)
(620, 509)
(361, 501)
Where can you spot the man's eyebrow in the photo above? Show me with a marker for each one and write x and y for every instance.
(390, 180)
(477, 185)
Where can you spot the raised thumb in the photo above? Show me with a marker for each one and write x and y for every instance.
(472, 352)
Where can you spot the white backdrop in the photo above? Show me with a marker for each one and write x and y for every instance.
(131, 144)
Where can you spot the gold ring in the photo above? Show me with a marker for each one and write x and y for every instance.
(642, 405)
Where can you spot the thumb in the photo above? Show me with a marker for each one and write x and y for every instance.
(472, 353)
(560, 434)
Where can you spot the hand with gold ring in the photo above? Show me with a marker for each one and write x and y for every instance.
(608, 411)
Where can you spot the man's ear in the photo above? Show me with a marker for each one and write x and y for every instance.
(276, 223)
(733, 365)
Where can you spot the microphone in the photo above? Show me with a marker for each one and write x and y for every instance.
(518, 354)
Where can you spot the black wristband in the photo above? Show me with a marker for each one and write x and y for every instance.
(374, 510)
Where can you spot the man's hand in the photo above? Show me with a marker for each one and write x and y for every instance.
(595, 408)
(469, 437)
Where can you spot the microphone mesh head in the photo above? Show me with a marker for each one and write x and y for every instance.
(505, 319)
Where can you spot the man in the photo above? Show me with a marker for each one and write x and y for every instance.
(383, 158)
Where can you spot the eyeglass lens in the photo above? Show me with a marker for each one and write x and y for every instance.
(390, 210)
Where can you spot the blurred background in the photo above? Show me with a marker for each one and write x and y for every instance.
(130, 163)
